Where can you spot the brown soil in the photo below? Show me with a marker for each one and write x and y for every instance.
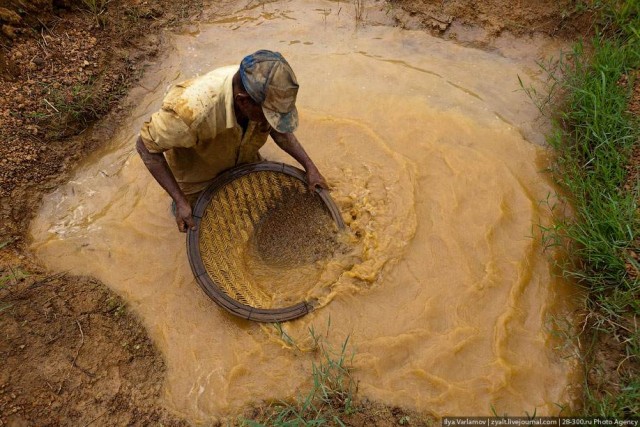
(71, 352)
(73, 356)
(366, 414)
(492, 17)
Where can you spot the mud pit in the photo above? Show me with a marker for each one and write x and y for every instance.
(431, 153)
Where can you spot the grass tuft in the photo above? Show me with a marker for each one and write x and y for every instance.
(596, 219)
(359, 11)
(331, 396)
(96, 8)
(10, 278)
(70, 110)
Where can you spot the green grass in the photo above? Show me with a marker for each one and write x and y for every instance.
(331, 395)
(358, 6)
(96, 8)
(78, 102)
(596, 222)
(67, 111)
(10, 278)
(4, 306)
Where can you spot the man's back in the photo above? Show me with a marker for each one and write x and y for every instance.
(198, 130)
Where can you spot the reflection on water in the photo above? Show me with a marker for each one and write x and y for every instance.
(445, 294)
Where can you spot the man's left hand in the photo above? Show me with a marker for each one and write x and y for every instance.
(316, 180)
(290, 144)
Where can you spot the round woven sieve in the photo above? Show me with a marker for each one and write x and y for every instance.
(227, 214)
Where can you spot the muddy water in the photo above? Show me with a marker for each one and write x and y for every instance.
(431, 152)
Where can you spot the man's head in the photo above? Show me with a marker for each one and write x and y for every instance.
(272, 86)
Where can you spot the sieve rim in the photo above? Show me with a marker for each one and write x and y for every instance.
(208, 285)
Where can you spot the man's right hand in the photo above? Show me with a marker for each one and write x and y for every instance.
(184, 219)
(157, 165)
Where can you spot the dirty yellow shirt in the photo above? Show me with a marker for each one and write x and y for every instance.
(197, 131)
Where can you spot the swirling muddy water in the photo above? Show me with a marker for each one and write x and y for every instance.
(430, 149)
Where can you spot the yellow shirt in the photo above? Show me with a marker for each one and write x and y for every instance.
(197, 130)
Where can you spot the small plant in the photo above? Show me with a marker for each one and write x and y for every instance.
(332, 379)
(284, 336)
(331, 395)
(359, 11)
(116, 306)
(70, 110)
(3, 305)
(96, 8)
(13, 277)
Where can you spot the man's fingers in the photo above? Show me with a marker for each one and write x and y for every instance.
(185, 224)
(318, 185)
(191, 223)
(184, 218)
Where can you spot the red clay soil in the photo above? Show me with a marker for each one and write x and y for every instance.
(71, 352)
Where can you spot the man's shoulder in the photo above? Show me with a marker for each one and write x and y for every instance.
(222, 72)
(213, 80)
(194, 99)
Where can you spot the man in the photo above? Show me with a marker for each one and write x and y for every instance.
(214, 122)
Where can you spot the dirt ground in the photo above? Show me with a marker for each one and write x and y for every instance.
(71, 352)
(490, 18)
(73, 356)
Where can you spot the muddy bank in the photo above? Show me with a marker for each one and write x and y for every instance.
(72, 355)
(486, 20)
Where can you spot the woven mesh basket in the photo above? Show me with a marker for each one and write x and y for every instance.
(227, 214)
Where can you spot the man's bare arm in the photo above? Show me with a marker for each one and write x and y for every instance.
(290, 145)
(157, 165)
